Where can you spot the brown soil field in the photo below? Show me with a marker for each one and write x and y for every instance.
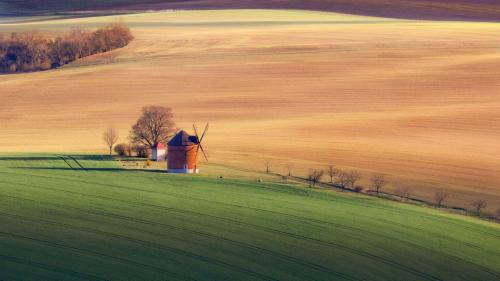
(416, 100)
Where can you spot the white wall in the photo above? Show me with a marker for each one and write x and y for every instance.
(159, 154)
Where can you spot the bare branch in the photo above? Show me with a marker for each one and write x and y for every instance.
(156, 125)
(268, 166)
(479, 205)
(332, 172)
(440, 196)
(315, 176)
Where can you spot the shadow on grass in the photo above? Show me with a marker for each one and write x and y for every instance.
(28, 158)
(77, 157)
(55, 157)
(90, 169)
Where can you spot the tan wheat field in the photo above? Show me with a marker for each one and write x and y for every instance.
(419, 101)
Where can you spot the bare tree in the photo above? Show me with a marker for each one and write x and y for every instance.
(439, 197)
(289, 167)
(332, 172)
(378, 182)
(353, 177)
(110, 137)
(403, 192)
(268, 166)
(315, 176)
(343, 179)
(156, 125)
(478, 205)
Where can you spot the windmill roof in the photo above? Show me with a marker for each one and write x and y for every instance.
(182, 138)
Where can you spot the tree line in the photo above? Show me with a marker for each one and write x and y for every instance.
(348, 179)
(35, 51)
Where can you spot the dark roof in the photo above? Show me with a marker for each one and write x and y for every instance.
(183, 139)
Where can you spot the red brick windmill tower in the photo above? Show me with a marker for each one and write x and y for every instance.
(183, 152)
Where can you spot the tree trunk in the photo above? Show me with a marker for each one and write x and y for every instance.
(110, 149)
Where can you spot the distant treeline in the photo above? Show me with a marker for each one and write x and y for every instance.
(34, 51)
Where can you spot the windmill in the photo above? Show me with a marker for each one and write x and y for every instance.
(183, 151)
(200, 139)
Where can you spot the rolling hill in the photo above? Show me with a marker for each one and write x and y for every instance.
(415, 100)
(478, 10)
(84, 217)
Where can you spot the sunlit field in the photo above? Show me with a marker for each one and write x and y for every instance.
(416, 100)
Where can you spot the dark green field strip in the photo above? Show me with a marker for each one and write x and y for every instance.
(64, 271)
(148, 244)
(309, 238)
(23, 270)
(71, 261)
(245, 247)
(89, 252)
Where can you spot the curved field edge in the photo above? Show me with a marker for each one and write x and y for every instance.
(105, 223)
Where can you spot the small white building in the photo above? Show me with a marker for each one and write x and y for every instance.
(159, 152)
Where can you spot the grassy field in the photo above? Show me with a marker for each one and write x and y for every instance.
(415, 100)
(62, 222)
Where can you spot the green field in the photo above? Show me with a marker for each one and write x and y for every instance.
(61, 222)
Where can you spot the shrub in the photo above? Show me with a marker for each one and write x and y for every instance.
(358, 189)
(403, 192)
(129, 149)
(142, 151)
(122, 149)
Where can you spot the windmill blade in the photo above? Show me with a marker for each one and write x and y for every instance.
(196, 153)
(196, 131)
(203, 151)
(204, 133)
